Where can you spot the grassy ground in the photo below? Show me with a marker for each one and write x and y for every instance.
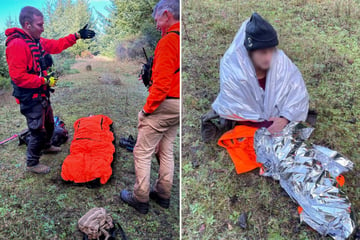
(322, 38)
(43, 207)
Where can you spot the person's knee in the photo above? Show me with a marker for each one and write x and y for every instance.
(140, 152)
(166, 151)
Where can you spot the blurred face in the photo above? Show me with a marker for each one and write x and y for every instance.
(36, 28)
(162, 22)
(262, 58)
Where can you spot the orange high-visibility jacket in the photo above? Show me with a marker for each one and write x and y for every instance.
(165, 71)
(91, 151)
(239, 142)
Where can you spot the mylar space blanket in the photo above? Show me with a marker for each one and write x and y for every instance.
(308, 175)
(242, 98)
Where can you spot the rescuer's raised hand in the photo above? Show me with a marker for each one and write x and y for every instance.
(85, 33)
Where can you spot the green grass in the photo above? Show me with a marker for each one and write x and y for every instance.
(321, 37)
(43, 207)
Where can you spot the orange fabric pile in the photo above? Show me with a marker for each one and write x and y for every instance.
(91, 151)
(239, 142)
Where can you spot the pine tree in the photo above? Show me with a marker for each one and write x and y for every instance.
(130, 19)
(63, 17)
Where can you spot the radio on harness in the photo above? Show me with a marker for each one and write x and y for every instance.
(146, 71)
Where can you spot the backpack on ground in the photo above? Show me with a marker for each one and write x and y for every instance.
(97, 223)
(60, 135)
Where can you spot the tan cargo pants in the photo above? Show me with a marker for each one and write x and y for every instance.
(156, 132)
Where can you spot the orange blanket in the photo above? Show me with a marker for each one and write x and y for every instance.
(239, 142)
(91, 151)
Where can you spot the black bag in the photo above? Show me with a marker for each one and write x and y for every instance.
(60, 135)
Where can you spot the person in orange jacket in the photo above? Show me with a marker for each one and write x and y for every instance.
(27, 55)
(159, 118)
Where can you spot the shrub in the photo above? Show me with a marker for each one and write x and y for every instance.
(4, 82)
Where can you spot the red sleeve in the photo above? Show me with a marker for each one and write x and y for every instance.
(18, 56)
(165, 65)
(53, 46)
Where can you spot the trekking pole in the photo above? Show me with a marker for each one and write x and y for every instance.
(9, 139)
(12, 137)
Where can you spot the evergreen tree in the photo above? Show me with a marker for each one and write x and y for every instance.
(63, 17)
(130, 19)
(11, 22)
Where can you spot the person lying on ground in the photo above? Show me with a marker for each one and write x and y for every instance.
(28, 58)
(259, 84)
(159, 119)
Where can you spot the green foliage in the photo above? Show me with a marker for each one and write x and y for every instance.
(4, 83)
(11, 22)
(150, 34)
(129, 20)
(4, 73)
(127, 17)
(63, 63)
(63, 17)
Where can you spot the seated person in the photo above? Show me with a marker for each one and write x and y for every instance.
(259, 85)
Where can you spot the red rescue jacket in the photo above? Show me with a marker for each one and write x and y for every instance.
(22, 69)
(165, 71)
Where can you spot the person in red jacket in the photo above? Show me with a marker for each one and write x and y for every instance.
(28, 58)
(159, 119)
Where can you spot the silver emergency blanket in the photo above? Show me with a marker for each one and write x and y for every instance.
(308, 175)
(242, 98)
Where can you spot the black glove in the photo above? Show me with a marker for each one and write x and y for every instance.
(86, 33)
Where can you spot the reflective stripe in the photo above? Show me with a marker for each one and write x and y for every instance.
(22, 94)
(36, 52)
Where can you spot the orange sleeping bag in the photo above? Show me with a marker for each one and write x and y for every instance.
(239, 142)
(91, 151)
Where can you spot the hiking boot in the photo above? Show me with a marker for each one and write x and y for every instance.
(52, 149)
(39, 169)
(128, 143)
(163, 202)
(129, 198)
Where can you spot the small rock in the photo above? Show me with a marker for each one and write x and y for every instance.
(195, 163)
(350, 61)
(202, 228)
(230, 227)
(242, 220)
(352, 121)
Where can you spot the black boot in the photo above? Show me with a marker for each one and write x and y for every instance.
(129, 198)
(128, 143)
(163, 202)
